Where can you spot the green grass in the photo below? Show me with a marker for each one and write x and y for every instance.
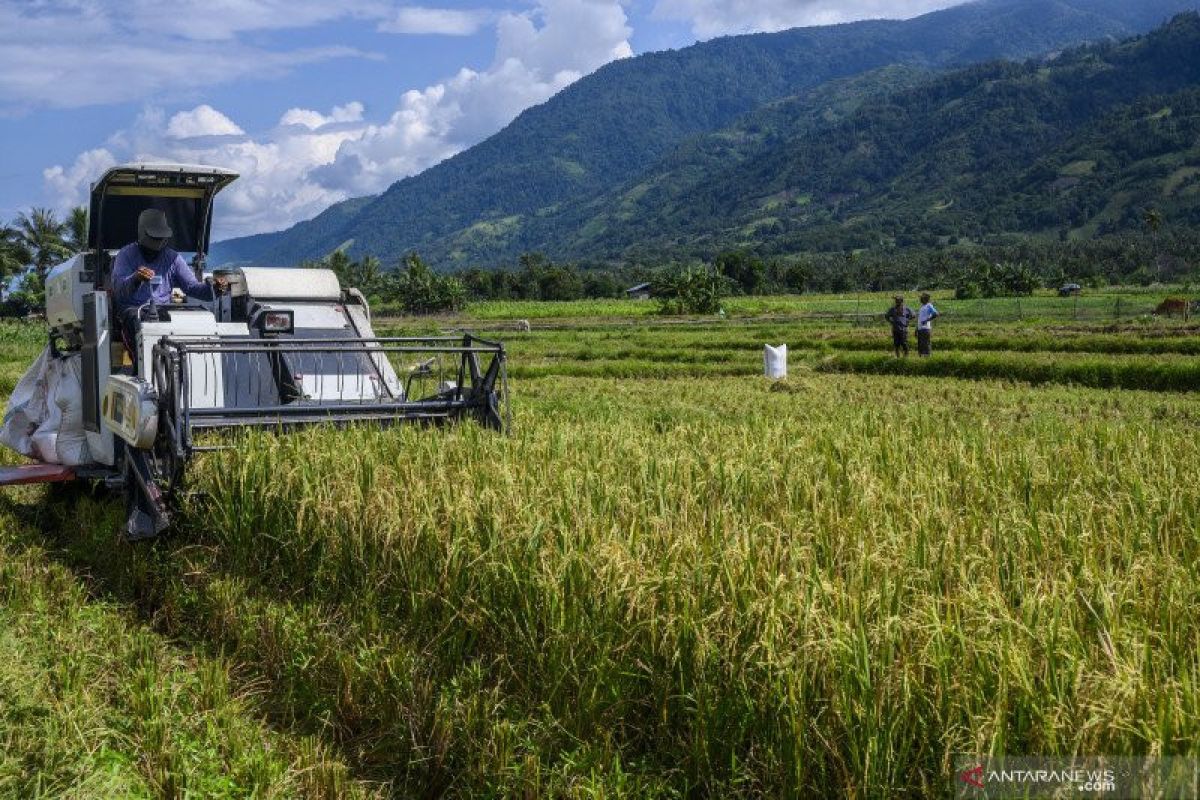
(95, 704)
(674, 579)
(1095, 305)
(952, 340)
(1160, 359)
(705, 585)
(1161, 373)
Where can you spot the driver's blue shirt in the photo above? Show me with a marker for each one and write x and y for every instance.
(131, 292)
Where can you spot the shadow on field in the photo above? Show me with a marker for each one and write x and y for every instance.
(79, 526)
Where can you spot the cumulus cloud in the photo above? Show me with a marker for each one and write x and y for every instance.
(444, 21)
(710, 18)
(70, 184)
(537, 54)
(276, 188)
(351, 112)
(311, 158)
(203, 120)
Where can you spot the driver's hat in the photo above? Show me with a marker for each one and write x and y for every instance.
(152, 224)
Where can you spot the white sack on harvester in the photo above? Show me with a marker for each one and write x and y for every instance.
(44, 419)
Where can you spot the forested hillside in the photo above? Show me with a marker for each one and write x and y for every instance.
(1077, 146)
(522, 188)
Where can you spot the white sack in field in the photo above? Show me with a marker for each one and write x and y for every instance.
(775, 362)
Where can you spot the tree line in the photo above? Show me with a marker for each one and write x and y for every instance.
(997, 269)
(38, 239)
(32, 243)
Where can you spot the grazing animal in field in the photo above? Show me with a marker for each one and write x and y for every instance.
(523, 325)
(1173, 306)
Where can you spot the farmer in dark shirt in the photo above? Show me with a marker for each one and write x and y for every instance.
(900, 315)
(137, 265)
(147, 270)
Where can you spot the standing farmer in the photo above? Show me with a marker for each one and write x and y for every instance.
(925, 318)
(900, 315)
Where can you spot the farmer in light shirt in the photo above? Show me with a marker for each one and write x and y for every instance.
(140, 263)
(925, 318)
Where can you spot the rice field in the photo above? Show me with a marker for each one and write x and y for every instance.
(1111, 304)
(674, 579)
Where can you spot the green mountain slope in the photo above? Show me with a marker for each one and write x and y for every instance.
(505, 195)
(1075, 146)
(616, 222)
(309, 236)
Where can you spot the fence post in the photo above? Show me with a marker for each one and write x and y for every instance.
(1076, 308)
(1117, 312)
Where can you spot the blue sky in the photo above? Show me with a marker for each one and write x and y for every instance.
(314, 101)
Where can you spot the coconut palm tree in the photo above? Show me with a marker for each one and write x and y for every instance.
(14, 255)
(368, 275)
(44, 236)
(341, 265)
(77, 229)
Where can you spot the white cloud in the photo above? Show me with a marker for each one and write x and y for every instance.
(276, 188)
(75, 53)
(444, 21)
(70, 185)
(710, 18)
(312, 159)
(575, 36)
(215, 20)
(351, 112)
(537, 55)
(203, 120)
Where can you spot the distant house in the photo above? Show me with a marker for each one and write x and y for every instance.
(640, 292)
(1070, 290)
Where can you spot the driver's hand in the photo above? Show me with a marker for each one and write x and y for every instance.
(145, 273)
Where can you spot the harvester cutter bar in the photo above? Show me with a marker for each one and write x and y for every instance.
(286, 383)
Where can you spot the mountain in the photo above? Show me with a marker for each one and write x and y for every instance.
(305, 237)
(1071, 147)
(523, 188)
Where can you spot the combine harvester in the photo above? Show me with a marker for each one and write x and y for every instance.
(279, 348)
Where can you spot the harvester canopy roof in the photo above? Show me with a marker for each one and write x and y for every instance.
(184, 192)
